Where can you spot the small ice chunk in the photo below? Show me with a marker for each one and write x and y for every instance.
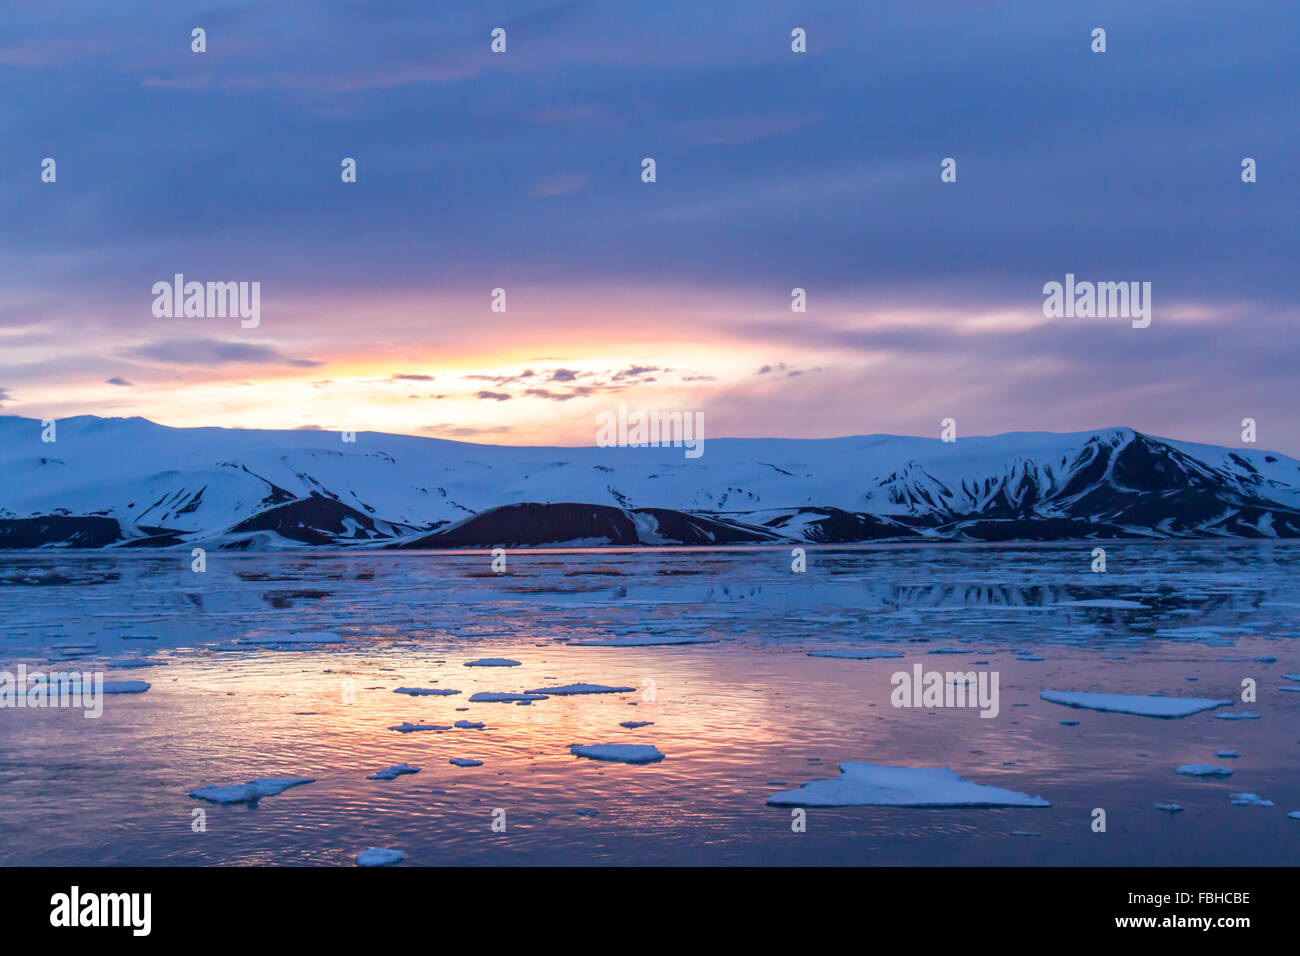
(622, 753)
(1294, 814)
(1245, 715)
(1023, 833)
(492, 697)
(855, 655)
(1168, 807)
(1069, 723)
(377, 856)
(1291, 677)
(393, 772)
(470, 725)
(1203, 770)
(406, 727)
(1144, 705)
(633, 724)
(877, 785)
(1290, 690)
(1248, 800)
(465, 762)
(571, 689)
(426, 691)
(250, 792)
(492, 662)
(1227, 753)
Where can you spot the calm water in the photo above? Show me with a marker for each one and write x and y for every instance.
(732, 717)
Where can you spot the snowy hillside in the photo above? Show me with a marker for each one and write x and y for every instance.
(130, 482)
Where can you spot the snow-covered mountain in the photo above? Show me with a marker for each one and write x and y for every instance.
(110, 482)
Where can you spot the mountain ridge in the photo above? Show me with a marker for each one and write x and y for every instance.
(263, 489)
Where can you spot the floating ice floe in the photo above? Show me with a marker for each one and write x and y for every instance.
(877, 785)
(1291, 676)
(393, 772)
(250, 792)
(855, 655)
(465, 762)
(1294, 814)
(1203, 770)
(633, 724)
(492, 662)
(1069, 723)
(108, 687)
(1227, 753)
(470, 725)
(305, 637)
(1245, 715)
(948, 650)
(426, 691)
(1168, 807)
(1292, 690)
(1024, 833)
(663, 639)
(571, 689)
(493, 697)
(1248, 800)
(1144, 705)
(622, 753)
(407, 727)
(378, 856)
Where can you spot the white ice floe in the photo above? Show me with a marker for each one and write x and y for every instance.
(393, 772)
(1248, 800)
(493, 697)
(407, 727)
(1144, 705)
(1227, 753)
(570, 689)
(877, 785)
(1245, 715)
(1294, 814)
(655, 641)
(426, 691)
(465, 762)
(1203, 770)
(73, 686)
(250, 792)
(855, 655)
(1168, 807)
(378, 856)
(492, 662)
(305, 637)
(623, 753)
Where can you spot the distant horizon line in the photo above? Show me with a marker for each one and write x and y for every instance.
(310, 429)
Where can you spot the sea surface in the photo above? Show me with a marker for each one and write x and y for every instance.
(738, 719)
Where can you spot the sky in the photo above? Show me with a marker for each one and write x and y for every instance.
(775, 170)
